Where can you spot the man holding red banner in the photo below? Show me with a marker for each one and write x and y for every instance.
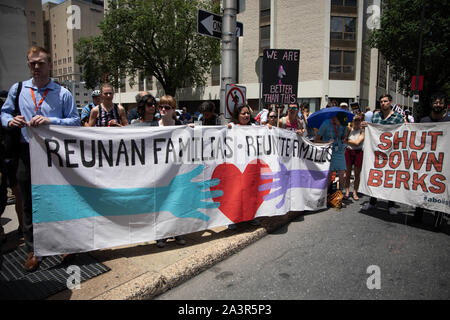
(386, 116)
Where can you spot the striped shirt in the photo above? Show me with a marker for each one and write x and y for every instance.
(394, 118)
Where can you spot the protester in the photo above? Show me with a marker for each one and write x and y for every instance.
(261, 117)
(208, 111)
(386, 116)
(292, 121)
(108, 114)
(272, 119)
(9, 179)
(241, 117)
(167, 105)
(343, 105)
(334, 131)
(86, 111)
(354, 155)
(408, 117)
(41, 102)
(185, 117)
(439, 113)
(3, 189)
(146, 110)
(368, 115)
(305, 113)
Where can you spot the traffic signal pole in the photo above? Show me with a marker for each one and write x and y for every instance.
(419, 55)
(229, 51)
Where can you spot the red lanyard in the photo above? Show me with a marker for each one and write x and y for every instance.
(40, 102)
(335, 131)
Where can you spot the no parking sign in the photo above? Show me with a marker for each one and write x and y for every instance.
(234, 96)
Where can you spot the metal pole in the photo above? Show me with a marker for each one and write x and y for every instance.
(419, 55)
(229, 50)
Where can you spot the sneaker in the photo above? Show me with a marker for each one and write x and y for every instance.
(232, 226)
(255, 223)
(367, 206)
(180, 240)
(161, 243)
(392, 210)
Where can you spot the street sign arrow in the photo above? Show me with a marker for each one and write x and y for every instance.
(210, 24)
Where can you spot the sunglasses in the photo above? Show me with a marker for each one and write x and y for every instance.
(165, 107)
(272, 116)
(150, 104)
(294, 109)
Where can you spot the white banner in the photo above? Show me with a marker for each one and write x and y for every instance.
(97, 188)
(406, 163)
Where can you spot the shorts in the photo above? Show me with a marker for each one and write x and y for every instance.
(338, 161)
(354, 157)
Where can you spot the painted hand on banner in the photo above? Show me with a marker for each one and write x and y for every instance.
(183, 198)
(288, 179)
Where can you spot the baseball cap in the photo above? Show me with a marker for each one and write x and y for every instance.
(96, 93)
(343, 104)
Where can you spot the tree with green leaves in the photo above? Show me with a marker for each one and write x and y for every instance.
(156, 37)
(398, 41)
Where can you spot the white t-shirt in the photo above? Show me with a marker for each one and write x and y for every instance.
(354, 134)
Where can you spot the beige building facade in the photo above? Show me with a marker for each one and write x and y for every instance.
(336, 64)
(20, 28)
(64, 25)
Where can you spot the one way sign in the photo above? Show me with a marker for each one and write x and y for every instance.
(210, 24)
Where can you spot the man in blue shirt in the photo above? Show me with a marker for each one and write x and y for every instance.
(41, 102)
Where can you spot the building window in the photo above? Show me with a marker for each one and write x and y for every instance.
(343, 28)
(149, 83)
(342, 61)
(215, 75)
(123, 87)
(264, 8)
(264, 25)
(344, 3)
(141, 81)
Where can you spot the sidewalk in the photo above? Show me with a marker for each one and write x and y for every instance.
(143, 271)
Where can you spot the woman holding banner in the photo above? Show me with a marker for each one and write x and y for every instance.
(334, 131)
(167, 105)
(242, 117)
(354, 155)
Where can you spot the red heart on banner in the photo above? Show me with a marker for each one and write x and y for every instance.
(241, 198)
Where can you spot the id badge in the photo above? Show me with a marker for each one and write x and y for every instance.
(336, 148)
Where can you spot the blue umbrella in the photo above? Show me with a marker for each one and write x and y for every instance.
(317, 118)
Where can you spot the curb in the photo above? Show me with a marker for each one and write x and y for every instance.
(151, 284)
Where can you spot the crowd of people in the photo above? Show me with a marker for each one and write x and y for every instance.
(41, 101)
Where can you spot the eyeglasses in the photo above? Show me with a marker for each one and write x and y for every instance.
(166, 107)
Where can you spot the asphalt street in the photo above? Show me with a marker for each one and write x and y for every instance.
(334, 254)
